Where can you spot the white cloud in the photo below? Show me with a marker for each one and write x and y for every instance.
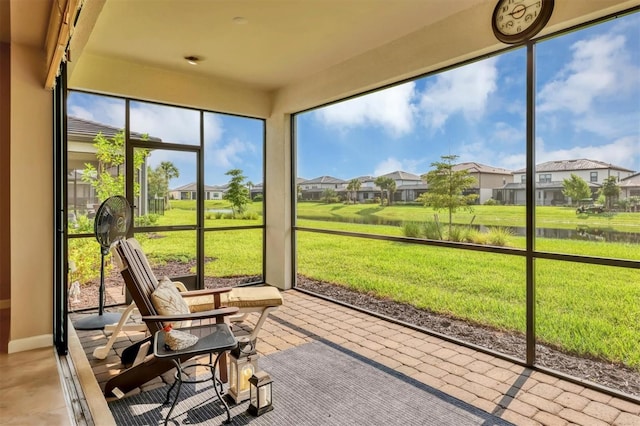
(504, 132)
(599, 67)
(171, 124)
(463, 90)
(226, 156)
(103, 110)
(392, 164)
(622, 152)
(390, 109)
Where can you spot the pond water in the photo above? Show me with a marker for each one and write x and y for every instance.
(579, 233)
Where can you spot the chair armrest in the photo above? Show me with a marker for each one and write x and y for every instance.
(215, 292)
(204, 292)
(195, 316)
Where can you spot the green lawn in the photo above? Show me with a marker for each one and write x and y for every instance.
(513, 216)
(590, 310)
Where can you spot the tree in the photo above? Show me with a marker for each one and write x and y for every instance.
(329, 195)
(576, 188)
(446, 188)
(610, 190)
(169, 171)
(391, 189)
(385, 183)
(156, 183)
(249, 186)
(353, 187)
(108, 178)
(237, 193)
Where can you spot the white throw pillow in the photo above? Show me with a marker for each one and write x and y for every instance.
(167, 300)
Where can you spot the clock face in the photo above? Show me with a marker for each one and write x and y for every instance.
(515, 21)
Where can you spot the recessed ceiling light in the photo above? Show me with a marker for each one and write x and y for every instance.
(193, 60)
(240, 20)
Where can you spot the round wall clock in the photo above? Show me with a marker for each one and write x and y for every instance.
(515, 21)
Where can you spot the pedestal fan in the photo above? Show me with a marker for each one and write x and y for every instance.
(111, 223)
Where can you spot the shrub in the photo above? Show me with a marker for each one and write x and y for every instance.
(431, 230)
(228, 216)
(499, 236)
(82, 225)
(85, 255)
(491, 202)
(146, 220)
(458, 234)
(411, 229)
(249, 216)
(219, 215)
(209, 216)
(476, 237)
(258, 197)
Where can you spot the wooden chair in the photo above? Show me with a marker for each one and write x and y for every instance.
(141, 283)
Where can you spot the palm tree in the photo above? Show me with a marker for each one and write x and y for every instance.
(391, 189)
(354, 186)
(169, 171)
(381, 182)
(250, 185)
(385, 184)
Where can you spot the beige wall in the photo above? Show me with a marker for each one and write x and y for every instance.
(31, 202)
(5, 225)
(117, 77)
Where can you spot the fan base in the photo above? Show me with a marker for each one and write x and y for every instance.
(96, 322)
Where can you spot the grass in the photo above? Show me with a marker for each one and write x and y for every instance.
(505, 216)
(591, 310)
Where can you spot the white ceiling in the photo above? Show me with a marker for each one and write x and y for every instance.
(279, 42)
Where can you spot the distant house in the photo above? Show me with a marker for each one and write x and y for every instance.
(408, 185)
(189, 192)
(487, 179)
(549, 180)
(312, 189)
(630, 187)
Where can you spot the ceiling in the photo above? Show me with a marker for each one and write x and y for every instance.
(258, 43)
(268, 45)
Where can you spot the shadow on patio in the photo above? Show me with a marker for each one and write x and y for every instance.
(385, 357)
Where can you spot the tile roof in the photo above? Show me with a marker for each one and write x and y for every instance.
(473, 167)
(79, 128)
(400, 175)
(192, 187)
(325, 179)
(571, 165)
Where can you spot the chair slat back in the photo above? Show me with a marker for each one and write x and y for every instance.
(139, 278)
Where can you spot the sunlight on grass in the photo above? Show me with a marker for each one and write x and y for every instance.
(579, 303)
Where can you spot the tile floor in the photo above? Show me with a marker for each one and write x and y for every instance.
(31, 390)
(507, 390)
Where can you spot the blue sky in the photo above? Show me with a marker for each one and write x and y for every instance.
(587, 106)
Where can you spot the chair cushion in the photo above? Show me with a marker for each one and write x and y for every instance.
(251, 297)
(167, 300)
(240, 297)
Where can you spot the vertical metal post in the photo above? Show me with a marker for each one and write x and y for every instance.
(200, 209)
(530, 209)
(60, 262)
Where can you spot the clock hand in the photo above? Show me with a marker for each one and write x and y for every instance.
(521, 9)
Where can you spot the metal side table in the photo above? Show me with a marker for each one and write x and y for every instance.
(212, 339)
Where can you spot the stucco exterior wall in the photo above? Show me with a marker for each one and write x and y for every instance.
(31, 202)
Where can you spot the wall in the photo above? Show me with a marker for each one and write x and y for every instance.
(5, 225)
(31, 202)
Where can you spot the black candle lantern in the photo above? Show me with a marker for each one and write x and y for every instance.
(260, 393)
